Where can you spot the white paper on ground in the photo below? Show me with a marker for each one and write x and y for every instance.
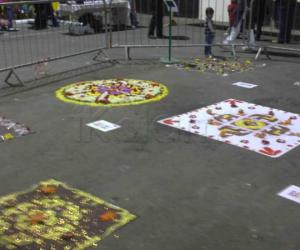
(245, 85)
(103, 126)
(292, 193)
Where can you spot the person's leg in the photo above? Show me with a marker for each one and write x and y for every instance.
(133, 16)
(208, 41)
(38, 14)
(55, 22)
(159, 27)
(206, 48)
(133, 19)
(282, 23)
(153, 21)
(152, 25)
(50, 13)
(41, 16)
(261, 17)
(233, 34)
(9, 15)
(254, 12)
(207, 51)
(211, 41)
(290, 19)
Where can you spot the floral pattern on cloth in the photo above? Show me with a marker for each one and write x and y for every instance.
(264, 130)
(112, 92)
(10, 129)
(55, 216)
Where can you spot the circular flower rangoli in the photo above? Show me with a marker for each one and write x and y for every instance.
(112, 92)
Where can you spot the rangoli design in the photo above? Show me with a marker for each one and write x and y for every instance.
(10, 129)
(218, 66)
(112, 92)
(267, 131)
(54, 216)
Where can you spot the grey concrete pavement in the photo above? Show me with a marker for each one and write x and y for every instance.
(189, 192)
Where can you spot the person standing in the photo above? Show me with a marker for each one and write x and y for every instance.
(42, 12)
(236, 28)
(133, 16)
(41, 17)
(156, 22)
(258, 16)
(50, 13)
(285, 13)
(209, 31)
(10, 16)
(3, 22)
(232, 13)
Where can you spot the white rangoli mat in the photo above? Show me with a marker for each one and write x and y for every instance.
(267, 131)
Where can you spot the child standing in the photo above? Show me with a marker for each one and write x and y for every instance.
(209, 31)
(133, 16)
(232, 13)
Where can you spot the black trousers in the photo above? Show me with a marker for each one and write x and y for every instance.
(42, 12)
(157, 18)
(285, 12)
(41, 16)
(258, 16)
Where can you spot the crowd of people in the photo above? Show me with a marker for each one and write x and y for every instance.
(284, 13)
(238, 10)
(239, 14)
(239, 17)
(41, 12)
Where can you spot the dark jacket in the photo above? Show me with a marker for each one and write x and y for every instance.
(157, 6)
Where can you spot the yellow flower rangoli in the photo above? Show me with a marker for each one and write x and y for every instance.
(112, 92)
(53, 215)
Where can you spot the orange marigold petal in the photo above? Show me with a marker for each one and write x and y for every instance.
(48, 189)
(37, 218)
(108, 216)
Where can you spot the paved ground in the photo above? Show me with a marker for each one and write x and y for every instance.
(189, 192)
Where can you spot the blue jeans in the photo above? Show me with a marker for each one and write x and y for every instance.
(209, 39)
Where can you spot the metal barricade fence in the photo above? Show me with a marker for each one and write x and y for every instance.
(36, 32)
(42, 31)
